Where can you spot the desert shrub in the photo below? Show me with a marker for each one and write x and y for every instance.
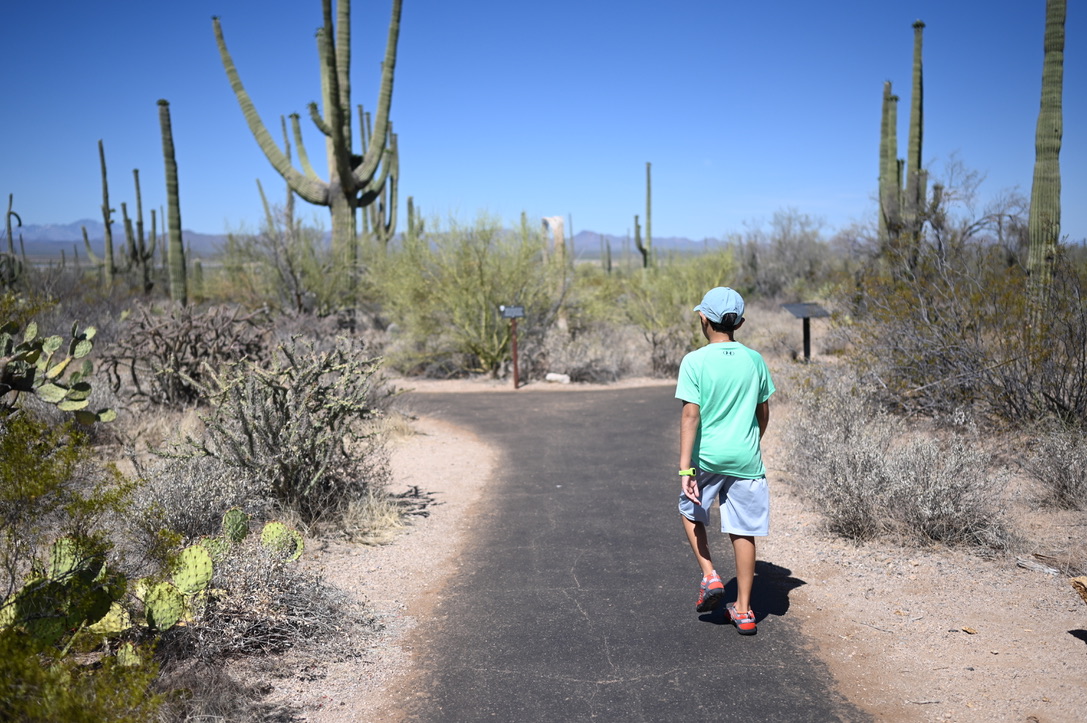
(286, 266)
(66, 690)
(954, 329)
(790, 258)
(443, 293)
(870, 477)
(591, 352)
(942, 491)
(188, 495)
(164, 356)
(1057, 460)
(291, 427)
(657, 301)
(264, 604)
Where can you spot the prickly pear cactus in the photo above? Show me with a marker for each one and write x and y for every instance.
(235, 525)
(128, 656)
(282, 539)
(164, 606)
(64, 558)
(30, 366)
(193, 570)
(114, 622)
(217, 547)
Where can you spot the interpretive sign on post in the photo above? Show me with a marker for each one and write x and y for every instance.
(807, 311)
(513, 313)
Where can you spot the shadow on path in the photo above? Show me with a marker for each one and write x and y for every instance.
(770, 596)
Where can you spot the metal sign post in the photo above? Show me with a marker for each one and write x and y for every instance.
(513, 313)
(807, 311)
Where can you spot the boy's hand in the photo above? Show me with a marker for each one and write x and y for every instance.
(690, 488)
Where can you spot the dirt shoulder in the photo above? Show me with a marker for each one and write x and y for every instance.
(908, 634)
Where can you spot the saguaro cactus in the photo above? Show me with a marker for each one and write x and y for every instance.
(890, 181)
(355, 181)
(916, 180)
(140, 254)
(648, 217)
(175, 253)
(107, 264)
(903, 211)
(11, 267)
(1044, 224)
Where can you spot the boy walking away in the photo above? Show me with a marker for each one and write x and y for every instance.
(725, 389)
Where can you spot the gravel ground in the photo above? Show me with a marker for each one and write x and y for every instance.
(910, 635)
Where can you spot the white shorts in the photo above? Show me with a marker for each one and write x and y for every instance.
(745, 503)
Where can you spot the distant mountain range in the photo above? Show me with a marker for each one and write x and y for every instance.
(48, 240)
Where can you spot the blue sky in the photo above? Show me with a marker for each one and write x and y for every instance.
(743, 108)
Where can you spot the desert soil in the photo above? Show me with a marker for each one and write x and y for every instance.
(909, 634)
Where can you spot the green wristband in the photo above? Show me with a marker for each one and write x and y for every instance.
(687, 472)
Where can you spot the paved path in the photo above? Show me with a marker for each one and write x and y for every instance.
(576, 597)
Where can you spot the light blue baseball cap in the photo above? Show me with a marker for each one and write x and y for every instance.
(720, 301)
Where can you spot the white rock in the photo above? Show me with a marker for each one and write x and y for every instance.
(557, 378)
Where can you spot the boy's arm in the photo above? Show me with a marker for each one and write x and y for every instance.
(762, 415)
(689, 421)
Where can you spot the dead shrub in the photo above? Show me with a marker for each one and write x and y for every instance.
(163, 355)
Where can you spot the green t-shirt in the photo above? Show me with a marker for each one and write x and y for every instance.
(727, 381)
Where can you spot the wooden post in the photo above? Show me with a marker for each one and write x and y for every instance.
(513, 332)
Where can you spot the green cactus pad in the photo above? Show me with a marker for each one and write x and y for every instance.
(80, 348)
(164, 606)
(50, 345)
(235, 525)
(281, 539)
(64, 558)
(128, 656)
(114, 622)
(193, 569)
(218, 547)
(51, 393)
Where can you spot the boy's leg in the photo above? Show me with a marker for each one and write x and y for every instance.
(696, 535)
(744, 547)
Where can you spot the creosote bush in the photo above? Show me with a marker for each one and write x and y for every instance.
(871, 478)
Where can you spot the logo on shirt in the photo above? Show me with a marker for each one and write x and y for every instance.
(728, 352)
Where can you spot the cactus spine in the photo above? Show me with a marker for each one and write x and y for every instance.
(1044, 224)
(175, 253)
(354, 181)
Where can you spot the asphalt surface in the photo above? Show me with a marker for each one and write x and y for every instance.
(575, 593)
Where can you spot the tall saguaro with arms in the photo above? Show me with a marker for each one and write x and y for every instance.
(354, 181)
